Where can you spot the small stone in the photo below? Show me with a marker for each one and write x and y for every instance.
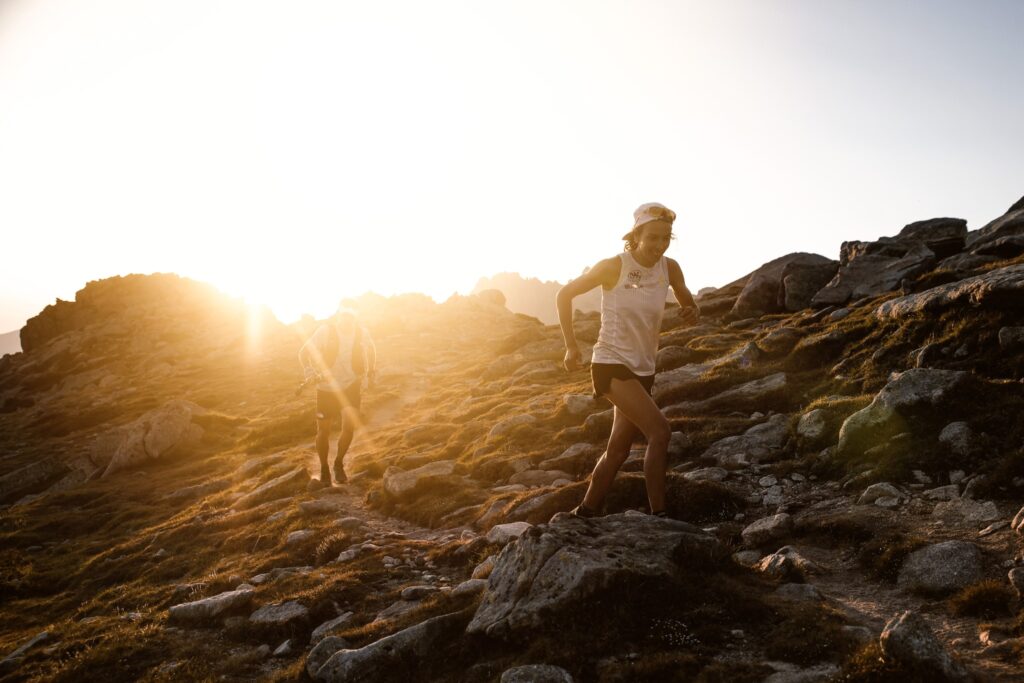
(284, 649)
(798, 592)
(1016, 577)
(469, 587)
(323, 651)
(921, 478)
(887, 502)
(957, 476)
(747, 558)
(325, 629)
(768, 529)
(706, 474)
(950, 492)
(876, 491)
(992, 528)
(414, 593)
(765, 482)
(797, 477)
(297, 537)
(502, 534)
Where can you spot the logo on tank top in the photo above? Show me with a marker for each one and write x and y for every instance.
(633, 279)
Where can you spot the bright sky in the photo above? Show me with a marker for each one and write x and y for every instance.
(297, 152)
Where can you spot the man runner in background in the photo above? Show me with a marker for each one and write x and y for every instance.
(341, 353)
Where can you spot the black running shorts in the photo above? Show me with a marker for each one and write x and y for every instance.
(330, 403)
(603, 373)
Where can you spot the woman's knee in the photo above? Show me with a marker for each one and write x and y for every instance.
(659, 432)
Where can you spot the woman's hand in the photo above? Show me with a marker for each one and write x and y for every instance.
(690, 316)
(572, 360)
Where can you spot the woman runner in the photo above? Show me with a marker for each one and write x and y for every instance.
(634, 290)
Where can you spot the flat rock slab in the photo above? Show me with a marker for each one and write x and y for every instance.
(553, 568)
(760, 441)
(749, 396)
(996, 286)
(286, 485)
(208, 608)
(394, 658)
(404, 484)
(280, 615)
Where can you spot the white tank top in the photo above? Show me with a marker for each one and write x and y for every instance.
(631, 313)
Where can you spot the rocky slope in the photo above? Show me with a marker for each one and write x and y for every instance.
(847, 471)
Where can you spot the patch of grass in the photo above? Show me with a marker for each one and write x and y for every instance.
(884, 555)
(866, 665)
(285, 431)
(989, 599)
(329, 548)
(809, 634)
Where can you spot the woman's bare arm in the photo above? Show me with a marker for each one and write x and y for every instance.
(606, 274)
(690, 311)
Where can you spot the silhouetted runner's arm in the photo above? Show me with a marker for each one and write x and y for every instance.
(605, 274)
(690, 312)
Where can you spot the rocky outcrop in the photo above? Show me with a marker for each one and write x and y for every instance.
(866, 274)
(553, 568)
(764, 290)
(164, 432)
(916, 392)
(1000, 288)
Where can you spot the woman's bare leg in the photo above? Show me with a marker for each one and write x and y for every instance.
(619, 443)
(629, 397)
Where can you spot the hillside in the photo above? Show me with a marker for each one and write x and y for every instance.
(845, 476)
(10, 342)
(534, 297)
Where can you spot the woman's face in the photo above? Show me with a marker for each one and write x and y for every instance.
(654, 240)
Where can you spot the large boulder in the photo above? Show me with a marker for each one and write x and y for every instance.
(763, 291)
(868, 274)
(941, 568)
(396, 657)
(760, 442)
(552, 569)
(997, 288)
(163, 432)
(1009, 224)
(943, 236)
(801, 281)
(908, 395)
(908, 642)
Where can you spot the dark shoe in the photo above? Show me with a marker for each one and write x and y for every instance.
(339, 473)
(584, 512)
